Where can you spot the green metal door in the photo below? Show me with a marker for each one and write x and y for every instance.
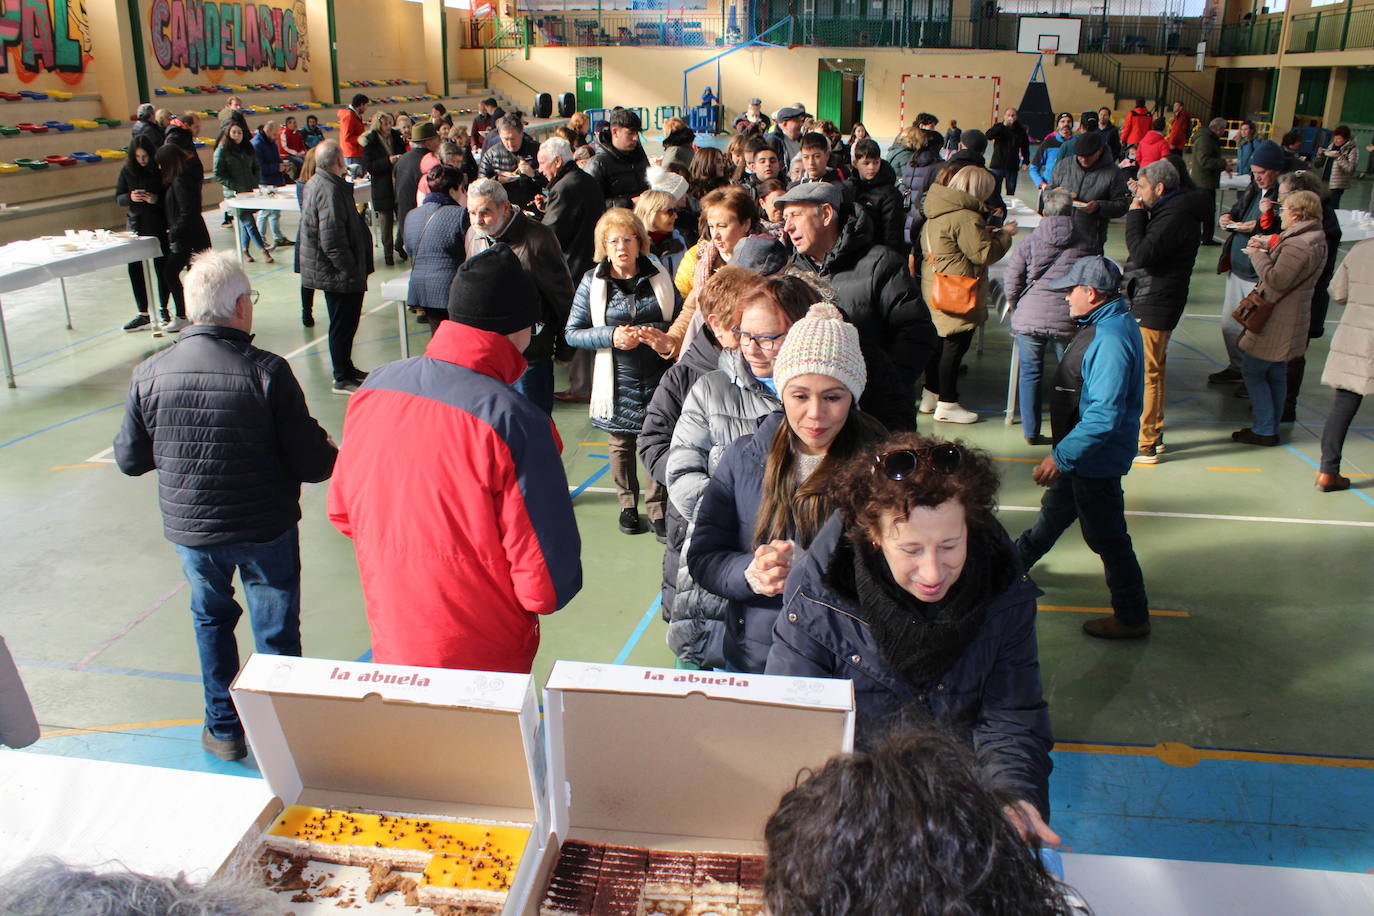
(829, 95)
(1312, 84)
(588, 83)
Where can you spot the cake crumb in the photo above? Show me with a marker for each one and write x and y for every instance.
(332, 891)
(301, 897)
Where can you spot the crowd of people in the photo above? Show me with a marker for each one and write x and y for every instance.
(756, 343)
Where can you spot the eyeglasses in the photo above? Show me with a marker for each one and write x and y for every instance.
(768, 343)
(902, 463)
(252, 295)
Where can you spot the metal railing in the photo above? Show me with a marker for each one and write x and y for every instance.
(1340, 29)
(1131, 83)
(686, 29)
(1144, 34)
(1259, 36)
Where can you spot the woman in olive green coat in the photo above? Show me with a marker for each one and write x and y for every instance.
(237, 169)
(957, 241)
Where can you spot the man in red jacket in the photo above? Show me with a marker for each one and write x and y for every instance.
(1181, 128)
(451, 487)
(351, 130)
(1139, 122)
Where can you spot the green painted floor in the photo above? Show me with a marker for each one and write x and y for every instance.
(1264, 641)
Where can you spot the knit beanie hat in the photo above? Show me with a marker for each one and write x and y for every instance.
(492, 292)
(822, 343)
(1268, 155)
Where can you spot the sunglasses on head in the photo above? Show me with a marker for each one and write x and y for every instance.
(902, 463)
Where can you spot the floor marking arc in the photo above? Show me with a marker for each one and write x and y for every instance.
(1335, 522)
(1104, 610)
(1179, 754)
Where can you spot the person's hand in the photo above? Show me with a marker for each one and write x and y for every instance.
(1046, 472)
(1245, 227)
(1028, 822)
(1132, 185)
(767, 572)
(1226, 220)
(1010, 228)
(1267, 204)
(1091, 207)
(541, 202)
(1332, 153)
(1256, 242)
(661, 343)
(625, 337)
(1044, 185)
(1137, 203)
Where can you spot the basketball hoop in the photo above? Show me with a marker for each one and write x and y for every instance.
(1053, 50)
(1048, 44)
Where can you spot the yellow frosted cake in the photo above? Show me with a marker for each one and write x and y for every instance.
(466, 865)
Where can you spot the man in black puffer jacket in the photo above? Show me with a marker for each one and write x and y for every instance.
(621, 166)
(1162, 238)
(872, 287)
(227, 428)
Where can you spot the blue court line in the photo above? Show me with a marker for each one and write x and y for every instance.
(111, 669)
(74, 343)
(602, 457)
(639, 629)
(89, 413)
(1204, 354)
(589, 481)
(1314, 464)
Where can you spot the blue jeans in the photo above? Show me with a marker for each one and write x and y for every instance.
(1030, 351)
(269, 220)
(537, 384)
(248, 229)
(271, 577)
(1267, 384)
(1099, 507)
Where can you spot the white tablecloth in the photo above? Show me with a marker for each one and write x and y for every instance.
(1235, 182)
(34, 261)
(284, 198)
(1025, 217)
(1356, 225)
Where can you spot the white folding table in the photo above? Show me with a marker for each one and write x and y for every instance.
(34, 261)
(282, 199)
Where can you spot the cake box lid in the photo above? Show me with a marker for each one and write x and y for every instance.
(667, 753)
(395, 738)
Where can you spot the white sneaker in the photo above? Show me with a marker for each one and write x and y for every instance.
(951, 412)
(928, 401)
(176, 324)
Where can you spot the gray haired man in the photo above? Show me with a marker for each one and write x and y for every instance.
(226, 426)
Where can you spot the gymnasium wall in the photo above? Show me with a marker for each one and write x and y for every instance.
(379, 41)
(649, 77)
(198, 42)
(49, 45)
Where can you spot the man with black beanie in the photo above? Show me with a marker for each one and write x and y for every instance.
(451, 486)
(1100, 193)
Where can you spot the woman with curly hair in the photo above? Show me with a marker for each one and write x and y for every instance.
(707, 172)
(911, 827)
(915, 593)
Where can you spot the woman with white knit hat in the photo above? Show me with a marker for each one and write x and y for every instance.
(771, 492)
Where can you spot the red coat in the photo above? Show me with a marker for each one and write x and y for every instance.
(451, 487)
(350, 129)
(1151, 149)
(1180, 129)
(1138, 124)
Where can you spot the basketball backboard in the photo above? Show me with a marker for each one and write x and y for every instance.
(1048, 34)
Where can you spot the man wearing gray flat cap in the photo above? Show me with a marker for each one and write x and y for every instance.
(786, 134)
(872, 286)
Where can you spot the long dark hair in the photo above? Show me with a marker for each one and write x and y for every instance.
(131, 164)
(908, 827)
(224, 138)
(171, 161)
(706, 173)
(787, 510)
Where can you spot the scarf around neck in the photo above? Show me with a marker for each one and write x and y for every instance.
(922, 640)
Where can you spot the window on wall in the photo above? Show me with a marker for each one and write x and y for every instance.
(1327, 2)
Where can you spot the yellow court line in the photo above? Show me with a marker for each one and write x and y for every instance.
(127, 726)
(1182, 755)
(1240, 470)
(72, 467)
(602, 444)
(1353, 474)
(1028, 460)
(1106, 610)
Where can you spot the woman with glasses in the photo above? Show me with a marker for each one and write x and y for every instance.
(658, 210)
(721, 407)
(621, 310)
(773, 489)
(915, 593)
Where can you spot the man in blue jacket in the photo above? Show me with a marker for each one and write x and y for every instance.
(1095, 416)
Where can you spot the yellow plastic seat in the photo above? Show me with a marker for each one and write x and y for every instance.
(109, 154)
(60, 96)
(7, 168)
(85, 124)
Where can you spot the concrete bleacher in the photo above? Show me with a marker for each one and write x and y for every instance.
(81, 196)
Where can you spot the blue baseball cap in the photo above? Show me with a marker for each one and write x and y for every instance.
(1096, 271)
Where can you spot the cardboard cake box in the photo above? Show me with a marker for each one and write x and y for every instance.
(412, 741)
(678, 764)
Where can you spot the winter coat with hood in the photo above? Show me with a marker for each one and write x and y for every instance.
(956, 240)
(1046, 155)
(992, 693)
(1104, 183)
(459, 557)
(575, 203)
(537, 249)
(1152, 148)
(1045, 256)
(656, 438)
(1138, 124)
(877, 293)
(722, 406)
(1098, 390)
(883, 202)
(727, 513)
(1350, 364)
(236, 167)
(143, 218)
(1287, 275)
(269, 159)
(622, 175)
(1161, 243)
(637, 371)
(333, 244)
(1205, 161)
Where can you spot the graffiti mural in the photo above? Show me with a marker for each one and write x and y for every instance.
(38, 36)
(198, 35)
